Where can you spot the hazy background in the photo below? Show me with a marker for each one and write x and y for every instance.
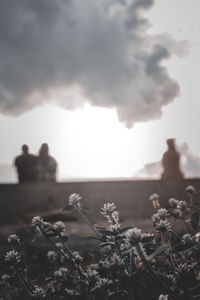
(104, 83)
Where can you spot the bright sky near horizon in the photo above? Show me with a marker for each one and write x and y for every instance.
(91, 141)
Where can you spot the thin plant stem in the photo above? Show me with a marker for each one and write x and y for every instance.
(88, 222)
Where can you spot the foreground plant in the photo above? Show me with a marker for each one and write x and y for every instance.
(132, 266)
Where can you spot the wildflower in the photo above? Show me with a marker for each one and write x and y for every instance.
(13, 256)
(109, 211)
(154, 197)
(59, 227)
(163, 213)
(13, 238)
(163, 297)
(155, 200)
(134, 236)
(51, 255)
(39, 292)
(61, 272)
(190, 189)
(173, 202)
(156, 217)
(115, 216)
(74, 200)
(37, 221)
(77, 256)
(187, 238)
(162, 225)
(59, 245)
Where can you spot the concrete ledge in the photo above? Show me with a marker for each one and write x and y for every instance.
(130, 196)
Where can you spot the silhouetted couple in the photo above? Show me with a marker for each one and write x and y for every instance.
(36, 168)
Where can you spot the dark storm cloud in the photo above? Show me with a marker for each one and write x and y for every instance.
(100, 46)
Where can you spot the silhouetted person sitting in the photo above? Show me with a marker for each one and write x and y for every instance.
(26, 165)
(170, 162)
(46, 165)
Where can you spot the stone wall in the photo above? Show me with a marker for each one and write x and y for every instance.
(130, 196)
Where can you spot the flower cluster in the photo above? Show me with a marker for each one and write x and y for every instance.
(128, 264)
(161, 225)
(13, 238)
(59, 227)
(74, 200)
(39, 292)
(13, 257)
(155, 200)
(109, 211)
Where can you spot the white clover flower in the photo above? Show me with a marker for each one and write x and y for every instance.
(59, 227)
(59, 245)
(155, 200)
(5, 277)
(187, 238)
(163, 213)
(39, 292)
(162, 225)
(163, 297)
(133, 236)
(77, 256)
(173, 202)
(51, 255)
(156, 217)
(60, 273)
(37, 221)
(13, 256)
(154, 197)
(190, 189)
(74, 200)
(108, 209)
(13, 238)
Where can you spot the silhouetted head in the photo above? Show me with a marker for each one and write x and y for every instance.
(25, 149)
(44, 150)
(170, 143)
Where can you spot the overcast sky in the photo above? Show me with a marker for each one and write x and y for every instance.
(104, 83)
